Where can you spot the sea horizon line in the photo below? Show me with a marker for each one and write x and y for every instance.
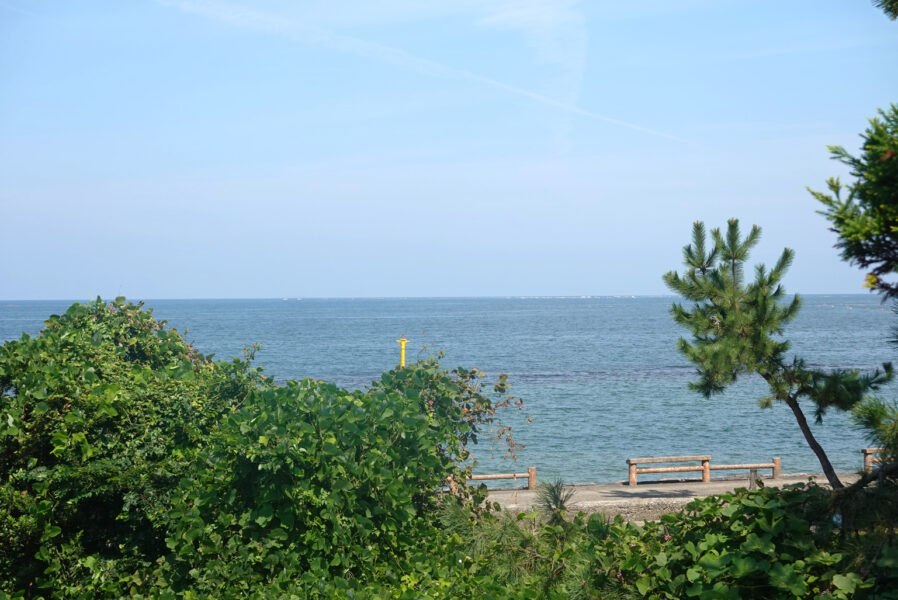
(459, 297)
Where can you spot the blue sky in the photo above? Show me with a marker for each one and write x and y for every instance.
(192, 148)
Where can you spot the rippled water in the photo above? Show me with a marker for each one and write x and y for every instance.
(601, 377)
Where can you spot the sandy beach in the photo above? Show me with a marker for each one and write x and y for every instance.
(649, 500)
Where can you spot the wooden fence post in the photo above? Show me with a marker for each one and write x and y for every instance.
(777, 467)
(706, 471)
(868, 459)
(531, 478)
(632, 473)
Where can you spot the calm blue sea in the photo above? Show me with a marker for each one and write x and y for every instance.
(601, 376)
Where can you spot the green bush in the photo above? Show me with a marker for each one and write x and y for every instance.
(769, 543)
(313, 479)
(100, 416)
(132, 465)
(308, 483)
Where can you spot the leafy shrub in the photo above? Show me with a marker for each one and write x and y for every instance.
(312, 479)
(456, 402)
(335, 485)
(132, 465)
(99, 418)
(768, 543)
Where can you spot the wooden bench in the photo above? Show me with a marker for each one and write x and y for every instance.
(705, 467)
(869, 459)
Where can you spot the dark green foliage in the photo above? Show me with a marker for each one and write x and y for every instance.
(133, 466)
(866, 218)
(553, 499)
(890, 7)
(866, 221)
(737, 328)
(455, 400)
(312, 479)
(880, 419)
(99, 417)
(767, 543)
(871, 503)
(734, 323)
(526, 557)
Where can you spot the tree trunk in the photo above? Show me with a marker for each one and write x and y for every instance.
(815, 446)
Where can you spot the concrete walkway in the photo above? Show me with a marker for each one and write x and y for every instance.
(647, 500)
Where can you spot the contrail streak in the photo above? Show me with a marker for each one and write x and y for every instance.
(244, 17)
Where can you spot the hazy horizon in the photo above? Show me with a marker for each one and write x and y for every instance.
(499, 297)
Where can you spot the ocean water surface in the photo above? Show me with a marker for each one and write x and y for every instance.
(600, 376)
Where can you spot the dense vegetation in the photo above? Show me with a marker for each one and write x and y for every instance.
(131, 464)
(134, 466)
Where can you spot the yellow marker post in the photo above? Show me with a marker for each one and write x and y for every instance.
(402, 342)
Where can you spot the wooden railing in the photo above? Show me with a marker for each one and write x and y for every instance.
(775, 466)
(869, 459)
(705, 459)
(530, 475)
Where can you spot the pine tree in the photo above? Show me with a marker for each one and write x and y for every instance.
(866, 222)
(866, 218)
(737, 326)
(890, 7)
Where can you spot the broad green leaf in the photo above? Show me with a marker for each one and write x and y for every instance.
(847, 582)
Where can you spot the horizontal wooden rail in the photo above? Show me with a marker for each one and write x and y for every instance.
(668, 469)
(705, 459)
(775, 466)
(706, 467)
(663, 459)
(530, 476)
(497, 476)
(869, 459)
